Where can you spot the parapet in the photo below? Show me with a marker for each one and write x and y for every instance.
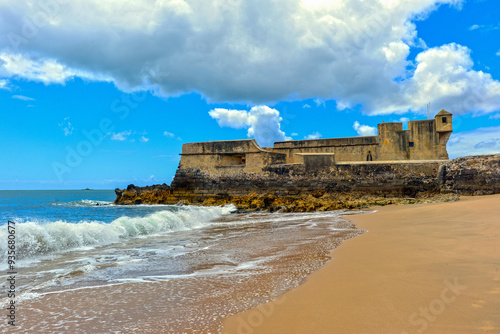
(222, 147)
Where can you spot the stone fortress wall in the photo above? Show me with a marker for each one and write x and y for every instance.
(396, 163)
(424, 140)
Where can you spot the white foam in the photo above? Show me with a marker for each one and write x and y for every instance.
(35, 238)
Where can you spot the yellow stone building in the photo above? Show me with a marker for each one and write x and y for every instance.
(424, 140)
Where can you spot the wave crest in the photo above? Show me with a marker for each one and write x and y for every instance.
(34, 238)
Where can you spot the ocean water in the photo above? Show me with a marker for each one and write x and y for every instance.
(153, 269)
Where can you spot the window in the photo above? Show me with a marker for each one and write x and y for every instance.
(369, 156)
(411, 144)
(445, 120)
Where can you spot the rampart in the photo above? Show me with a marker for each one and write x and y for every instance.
(424, 140)
(395, 164)
(349, 184)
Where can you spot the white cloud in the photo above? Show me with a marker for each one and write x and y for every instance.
(479, 141)
(257, 52)
(485, 27)
(23, 98)
(66, 127)
(4, 84)
(315, 135)
(306, 106)
(144, 139)
(263, 123)
(231, 118)
(319, 102)
(294, 134)
(168, 134)
(364, 130)
(121, 136)
(47, 71)
(444, 76)
(498, 53)
(405, 121)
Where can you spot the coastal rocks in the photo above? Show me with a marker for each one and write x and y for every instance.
(346, 186)
(473, 175)
(156, 194)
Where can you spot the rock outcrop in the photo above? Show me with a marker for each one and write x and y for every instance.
(346, 185)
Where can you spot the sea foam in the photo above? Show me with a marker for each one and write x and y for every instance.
(34, 238)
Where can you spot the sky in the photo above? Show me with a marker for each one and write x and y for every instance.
(100, 94)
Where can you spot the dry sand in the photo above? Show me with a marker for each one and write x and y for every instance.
(429, 268)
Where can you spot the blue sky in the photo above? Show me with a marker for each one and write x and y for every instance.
(101, 94)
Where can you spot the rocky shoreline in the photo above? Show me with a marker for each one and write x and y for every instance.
(351, 187)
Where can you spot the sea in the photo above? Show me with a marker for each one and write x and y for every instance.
(85, 265)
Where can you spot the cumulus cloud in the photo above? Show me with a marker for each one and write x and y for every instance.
(262, 122)
(315, 135)
(444, 75)
(474, 27)
(22, 98)
(121, 136)
(364, 130)
(144, 139)
(498, 53)
(248, 51)
(480, 141)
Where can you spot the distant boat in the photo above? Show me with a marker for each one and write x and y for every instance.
(86, 189)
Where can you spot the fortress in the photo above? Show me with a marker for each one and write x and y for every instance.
(424, 140)
(325, 174)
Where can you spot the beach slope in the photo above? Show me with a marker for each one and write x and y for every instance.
(432, 268)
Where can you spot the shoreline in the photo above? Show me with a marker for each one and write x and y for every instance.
(435, 272)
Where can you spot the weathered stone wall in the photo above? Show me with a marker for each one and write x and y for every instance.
(394, 179)
(424, 140)
(345, 149)
(228, 157)
(290, 183)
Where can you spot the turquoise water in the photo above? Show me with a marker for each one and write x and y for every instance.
(50, 222)
(72, 206)
(205, 262)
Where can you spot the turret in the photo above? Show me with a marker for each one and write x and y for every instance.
(444, 121)
(444, 128)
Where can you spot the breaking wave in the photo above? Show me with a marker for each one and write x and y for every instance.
(34, 238)
(82, 203)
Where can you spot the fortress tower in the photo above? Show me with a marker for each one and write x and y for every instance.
(425, 140)
(444, 128)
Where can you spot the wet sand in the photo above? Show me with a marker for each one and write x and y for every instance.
(432, 268)
(187, 281)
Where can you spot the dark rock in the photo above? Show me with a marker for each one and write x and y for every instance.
(291, 188)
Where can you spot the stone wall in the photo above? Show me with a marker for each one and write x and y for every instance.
(390, 179)
(474, 175)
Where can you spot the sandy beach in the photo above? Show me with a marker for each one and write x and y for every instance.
(427, 268)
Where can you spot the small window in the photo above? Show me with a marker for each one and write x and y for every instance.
(411, 144)
(445, 120)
